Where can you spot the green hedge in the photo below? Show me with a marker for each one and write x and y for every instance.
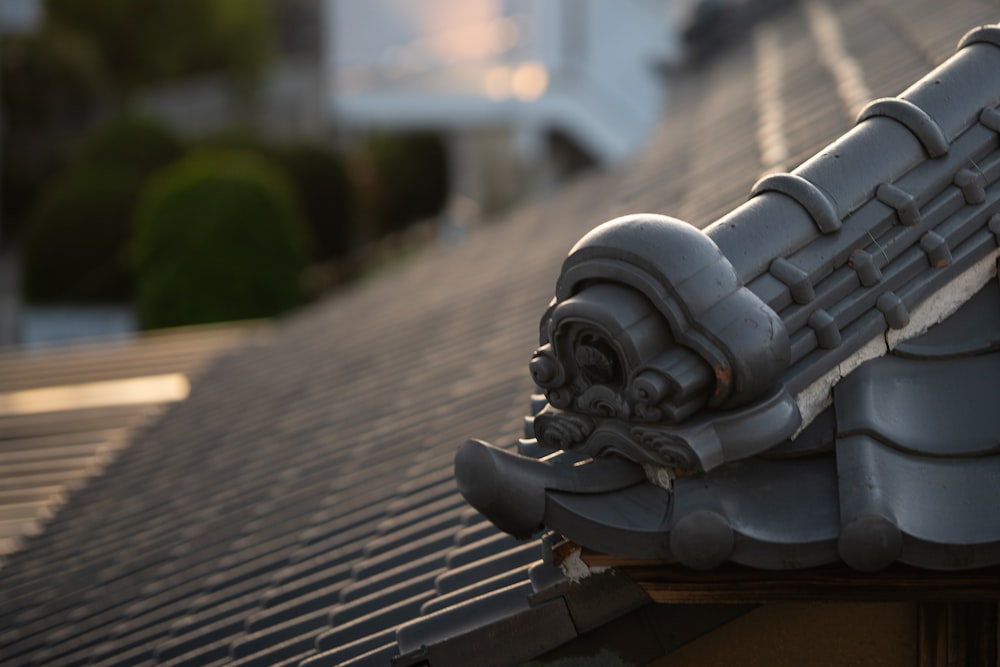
(320, 180)
(137, 142)
(75, 235)
(411, 179)
(218, 236)
(163, 40)
(53, 84)
(72, 247)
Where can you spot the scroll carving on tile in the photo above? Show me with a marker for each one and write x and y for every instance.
(651, 326)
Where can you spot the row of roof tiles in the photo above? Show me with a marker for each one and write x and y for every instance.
(64, 413)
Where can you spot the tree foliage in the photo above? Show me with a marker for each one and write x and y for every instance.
(410, 178)
(218, 236)
(159, 40)
(320, 180)
(53, 84)
(323, 187)
(137, 143)
(87, 59)
(71, 247)
(75, 237)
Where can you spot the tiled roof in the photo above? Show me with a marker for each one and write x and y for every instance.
(697, 354)
(66, 411)
(299, 507)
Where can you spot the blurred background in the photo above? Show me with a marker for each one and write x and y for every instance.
(175, 162)
(175, 172)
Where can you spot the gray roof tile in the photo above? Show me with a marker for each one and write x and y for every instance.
(195, 635)
(469, 615)
(484, 568)
(313, 598)
(942, 526)
(973, 329)
(358, 628)
(295, 634)
(901, 402)
(476, 551)
(403, 571)
(446, 598)
(377, 649)
(380, 596)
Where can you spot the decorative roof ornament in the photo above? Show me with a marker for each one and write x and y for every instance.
(702, 355)
(652, 359)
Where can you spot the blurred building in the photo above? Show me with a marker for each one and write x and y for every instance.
(525, 90)
(524, 93)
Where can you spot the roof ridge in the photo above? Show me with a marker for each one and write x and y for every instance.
(685, 350)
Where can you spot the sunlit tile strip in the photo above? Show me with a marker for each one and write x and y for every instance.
(165, 388)
(769, 100)
(845, 69)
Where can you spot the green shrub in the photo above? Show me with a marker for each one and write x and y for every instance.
(53, 86)
(319, 179)
(234, 138)
(325, 193)
(72, 247)
(163, 40)
(78, 228)
(139, 143)
(218, 236)
(411, 179)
